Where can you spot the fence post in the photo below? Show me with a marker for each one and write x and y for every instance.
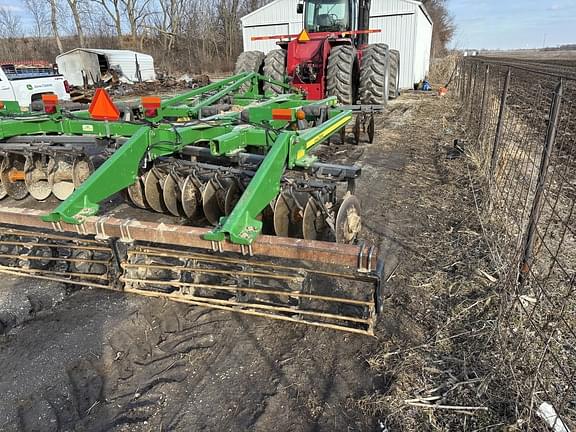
(473, 79)
(457, 78)
(484, 98)
(551, 130)
(499, 126)
(466, 80)
(463, 81)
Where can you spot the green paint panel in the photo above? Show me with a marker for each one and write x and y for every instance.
(241, 226)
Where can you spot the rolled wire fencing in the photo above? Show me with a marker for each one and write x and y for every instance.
(521, 123)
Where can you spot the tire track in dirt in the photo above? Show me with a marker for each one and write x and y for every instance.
(47, 360)
(165, 366)
(144, 359)
(24, 299)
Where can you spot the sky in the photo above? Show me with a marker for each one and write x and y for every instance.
(505, 24)
(489, 24)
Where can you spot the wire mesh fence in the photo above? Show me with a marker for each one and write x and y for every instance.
(521, 121)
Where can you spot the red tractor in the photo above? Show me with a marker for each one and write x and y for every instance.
(331, 56)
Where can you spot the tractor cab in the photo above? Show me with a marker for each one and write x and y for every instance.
(328, 16)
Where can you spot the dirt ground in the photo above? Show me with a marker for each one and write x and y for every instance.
(86, 360)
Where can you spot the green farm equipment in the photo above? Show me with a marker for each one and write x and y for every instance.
(212, 198)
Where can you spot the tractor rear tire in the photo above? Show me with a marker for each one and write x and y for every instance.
(375, 75)
(341, 74)
(275, 68)
(249, 61)
(394, 87)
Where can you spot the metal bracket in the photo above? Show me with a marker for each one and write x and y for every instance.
(81, 229)
(57, 226)
(368, 260)
(246, 250)
(360, 256)
(217, 246)
(125, 236)
(99, 227)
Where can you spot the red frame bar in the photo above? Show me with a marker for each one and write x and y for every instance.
(319, 35)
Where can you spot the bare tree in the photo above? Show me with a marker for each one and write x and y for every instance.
(113, 9)
(229, 20)
(136, 13)
(54, 24)
(444, 27)
(75, 10)
(169, 20)
(182, 35)
(10, 24)
(39, 11)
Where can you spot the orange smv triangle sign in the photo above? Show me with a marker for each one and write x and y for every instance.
(102, 107)
(303, 36)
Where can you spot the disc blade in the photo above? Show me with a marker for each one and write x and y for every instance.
(348, 220)
(12, 174)
(153, 190)
(190, 198)
(172, 194)
(61, 178)
(357, 129)
(281, 217)
(210, 202)
(313, 223)
(136, 193)
(81, 170)
(3, 191)
(233, 194)
(36, 176)
(287, 217)
(370, 130)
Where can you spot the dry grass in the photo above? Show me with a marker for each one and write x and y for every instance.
(477, 349)
(444, 379)
(437, 350)
(442, 68)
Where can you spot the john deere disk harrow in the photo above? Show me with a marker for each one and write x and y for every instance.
(212, 198)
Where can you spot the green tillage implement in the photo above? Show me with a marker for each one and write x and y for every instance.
(284, 148)
(278, 130)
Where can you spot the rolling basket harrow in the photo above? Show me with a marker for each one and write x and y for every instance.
(212, 198)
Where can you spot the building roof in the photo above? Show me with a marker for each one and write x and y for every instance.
(107, 52)
(266, 6)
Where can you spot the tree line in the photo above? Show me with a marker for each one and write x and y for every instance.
(182, 35)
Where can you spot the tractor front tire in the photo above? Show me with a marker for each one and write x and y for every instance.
(341, 73)
(275, 68)
(375, 75)
(249, 61)
(394, 87)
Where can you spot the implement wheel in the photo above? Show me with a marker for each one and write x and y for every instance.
(275, 68)
(375, 75)
(348, 220)
(340, 74)
(249, 61)
(394, 86)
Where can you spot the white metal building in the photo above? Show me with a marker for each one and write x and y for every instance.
(405, 26)
(94, 63)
